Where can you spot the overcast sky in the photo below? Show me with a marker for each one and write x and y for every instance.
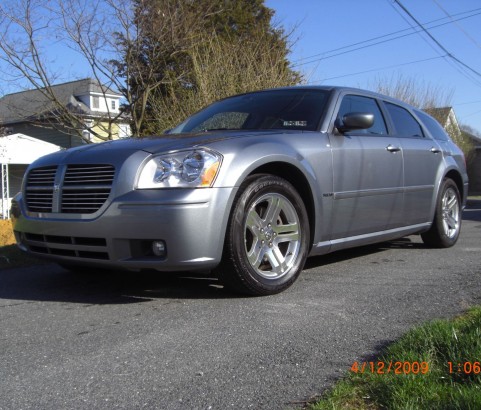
(351, 42)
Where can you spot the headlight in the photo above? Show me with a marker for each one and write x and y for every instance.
(183, 169)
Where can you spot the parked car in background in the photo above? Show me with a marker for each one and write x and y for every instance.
(249, 187)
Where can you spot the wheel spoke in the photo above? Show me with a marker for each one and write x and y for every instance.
(287, 232)
(451, 202)
(255, 255)
(274, 208)
(451, 221)
(253, 220)
(277, 260)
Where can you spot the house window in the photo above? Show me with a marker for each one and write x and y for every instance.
(114, 105)
(96, 102)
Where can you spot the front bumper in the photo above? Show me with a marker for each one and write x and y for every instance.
(191, 222)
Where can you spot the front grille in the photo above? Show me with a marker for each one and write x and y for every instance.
(86, 188)
(74, 189)
(39, 189)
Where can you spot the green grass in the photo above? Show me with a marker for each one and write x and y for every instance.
(12, 257)
(437, 343)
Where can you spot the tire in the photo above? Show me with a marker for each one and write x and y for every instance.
(267, 239)
(446, 226)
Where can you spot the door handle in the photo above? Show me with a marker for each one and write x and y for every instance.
(392, 148)
(435, 150)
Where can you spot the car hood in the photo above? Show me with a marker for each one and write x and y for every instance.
(119, 150)
(168, 142)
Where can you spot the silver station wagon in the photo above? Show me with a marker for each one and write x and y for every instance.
(248, 188)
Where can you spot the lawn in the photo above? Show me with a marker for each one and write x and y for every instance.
(6, 232)
(434, 366)
(10, 255)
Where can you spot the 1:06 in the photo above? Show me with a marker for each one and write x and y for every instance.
(466, 367)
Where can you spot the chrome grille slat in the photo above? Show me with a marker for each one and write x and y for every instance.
(39, 189)
(84, 189)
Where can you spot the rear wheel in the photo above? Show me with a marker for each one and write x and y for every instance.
(267, 239)
(446, 226)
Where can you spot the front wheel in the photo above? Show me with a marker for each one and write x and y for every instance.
(446, 226)
(267, 239)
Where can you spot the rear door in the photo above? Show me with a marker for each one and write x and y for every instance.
(367, 174)
(422, 160)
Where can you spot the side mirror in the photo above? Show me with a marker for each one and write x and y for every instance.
(355, 121)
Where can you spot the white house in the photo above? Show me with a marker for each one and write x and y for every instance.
(17, 151)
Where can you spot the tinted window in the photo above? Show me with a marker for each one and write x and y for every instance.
(356, 103)
(405, 124)
(433, 126)
(297, 109)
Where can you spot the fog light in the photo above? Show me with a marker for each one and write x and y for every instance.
(158, 248)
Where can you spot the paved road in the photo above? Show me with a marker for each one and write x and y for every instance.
(164, 342)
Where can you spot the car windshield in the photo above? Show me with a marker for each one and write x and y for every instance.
(291, 109)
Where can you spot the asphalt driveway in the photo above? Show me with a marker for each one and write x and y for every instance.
(161, 341)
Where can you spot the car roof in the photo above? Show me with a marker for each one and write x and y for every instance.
(338, 89)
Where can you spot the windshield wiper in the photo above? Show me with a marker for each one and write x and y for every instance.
(221, 129)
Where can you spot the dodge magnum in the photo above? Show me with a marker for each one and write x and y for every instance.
(248, 188)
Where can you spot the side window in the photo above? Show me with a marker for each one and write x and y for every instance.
(433, 126)
(405, 124)
(357, 103)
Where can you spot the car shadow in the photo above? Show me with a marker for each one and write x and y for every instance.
(472, 212)
(353, 253)
(50, 282)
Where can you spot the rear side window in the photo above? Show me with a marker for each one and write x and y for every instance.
(405, 124)
(357, 103)
(433, 126)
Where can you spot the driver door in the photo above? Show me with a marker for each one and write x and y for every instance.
(367, 174)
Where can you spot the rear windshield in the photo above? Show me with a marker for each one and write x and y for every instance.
(296, 109)
(433, 126)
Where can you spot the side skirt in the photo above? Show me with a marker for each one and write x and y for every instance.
(367, 239)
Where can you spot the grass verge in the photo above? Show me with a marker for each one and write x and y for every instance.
(6, 232)
(448, 375)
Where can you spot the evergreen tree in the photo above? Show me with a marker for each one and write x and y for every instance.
(169, 60)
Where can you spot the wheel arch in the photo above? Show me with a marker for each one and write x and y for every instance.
(458, 180)
(296, 177)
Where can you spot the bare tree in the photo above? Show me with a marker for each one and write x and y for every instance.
(435, 100)
(110, 37)
(146, 49)
(153, 44)
(28, 27)
(413, 91)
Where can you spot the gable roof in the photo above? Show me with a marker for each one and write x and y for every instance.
(440, 113)
(31, 104)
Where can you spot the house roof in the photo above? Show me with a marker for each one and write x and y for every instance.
(30, 104)
(22, 149)
(440, 113)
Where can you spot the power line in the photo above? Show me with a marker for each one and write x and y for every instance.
(379, 69)
(459, 69)
(470, 37)
(312, 59)
(449, 54)
(470, 102)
